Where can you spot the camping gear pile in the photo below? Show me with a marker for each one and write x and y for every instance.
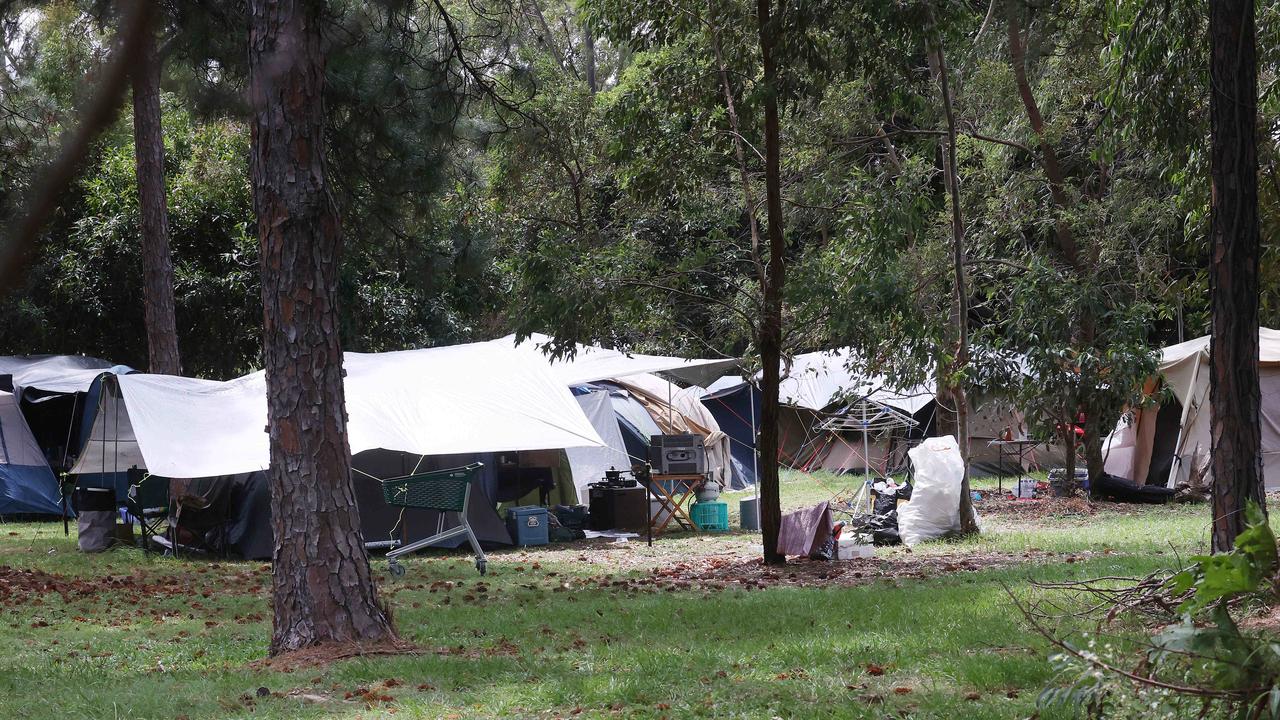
(880, 526)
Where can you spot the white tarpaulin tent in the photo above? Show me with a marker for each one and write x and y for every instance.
(1185, 370)
(438, 401)
(815, 381)
(591, 363)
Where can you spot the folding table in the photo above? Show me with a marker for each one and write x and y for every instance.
(673, 500)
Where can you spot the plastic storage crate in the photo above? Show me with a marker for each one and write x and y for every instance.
(711, 515)
(528, 525)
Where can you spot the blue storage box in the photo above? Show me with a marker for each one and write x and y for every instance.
(528, 525)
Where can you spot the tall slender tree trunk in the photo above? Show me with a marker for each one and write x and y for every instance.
(770, 327)
(1235, 437)
(960, 295)
(1081, 264)
(153, 210)
(323, 590)
(589, 47)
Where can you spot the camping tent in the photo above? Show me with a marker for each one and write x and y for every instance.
(826, 406)
(59, 396)
(677, 410)
(438, 401)
(736, 409)
(838, 420)
(27, 484)
(1169, 444)
(590, 363)
(590, 463)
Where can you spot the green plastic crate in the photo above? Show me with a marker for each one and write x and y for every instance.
(711, 515)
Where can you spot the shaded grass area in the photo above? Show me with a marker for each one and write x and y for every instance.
(550, 632)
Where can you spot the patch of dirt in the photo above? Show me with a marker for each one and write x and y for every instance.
(324, 654)
(1268, 621)
(1046, 507)
(24, 586)
(723, 574)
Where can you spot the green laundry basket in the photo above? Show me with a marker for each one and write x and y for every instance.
(711, 515)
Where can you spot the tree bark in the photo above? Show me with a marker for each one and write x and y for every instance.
(960, 293)
(1235, 437)
(153, 212)
(589, 45)
(323, 590)
(770, 328)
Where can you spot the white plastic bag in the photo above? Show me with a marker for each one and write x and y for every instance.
(934, 509)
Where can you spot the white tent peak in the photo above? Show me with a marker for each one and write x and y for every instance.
(817, 380)
(590, 363)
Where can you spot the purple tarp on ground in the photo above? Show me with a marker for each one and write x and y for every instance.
(804, 530)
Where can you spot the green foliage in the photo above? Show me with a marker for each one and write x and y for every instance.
(1215, 578)
(418, 259)
(1204, 661)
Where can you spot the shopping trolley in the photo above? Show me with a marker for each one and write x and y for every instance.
(442, 490)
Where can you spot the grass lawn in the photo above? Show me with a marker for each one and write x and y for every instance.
(585, 629)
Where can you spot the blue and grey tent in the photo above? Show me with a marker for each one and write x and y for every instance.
(61, 397)
(27, 484)
(737, 409)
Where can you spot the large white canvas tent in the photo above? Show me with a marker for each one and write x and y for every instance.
(439, 401)
(1169, 445)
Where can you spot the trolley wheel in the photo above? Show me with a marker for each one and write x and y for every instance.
(395, 568)
(482, 566)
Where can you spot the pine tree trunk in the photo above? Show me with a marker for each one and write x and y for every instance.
(1235, 437)
(770, 330)
(959, 296)
(323, 590)
(153, 211)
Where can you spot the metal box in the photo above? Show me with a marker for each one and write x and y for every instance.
(678, 454)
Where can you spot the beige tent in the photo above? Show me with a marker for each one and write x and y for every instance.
(1169, 444)
(679, 410)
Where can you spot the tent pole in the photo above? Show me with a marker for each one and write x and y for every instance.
(755, 450)
(866, 446)
(1182, 426)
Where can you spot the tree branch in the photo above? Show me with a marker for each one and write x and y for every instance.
(101, 112)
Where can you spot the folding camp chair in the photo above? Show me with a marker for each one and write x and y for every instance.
(442, 490)
(148, 504)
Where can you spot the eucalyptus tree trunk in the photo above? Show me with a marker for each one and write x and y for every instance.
(1235, 437)
(1082, 264)
(769, 335)
(153, 213)
(589, 47)
(960, 292)
(322, 590)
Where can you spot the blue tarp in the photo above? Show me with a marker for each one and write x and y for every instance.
(733, 410)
